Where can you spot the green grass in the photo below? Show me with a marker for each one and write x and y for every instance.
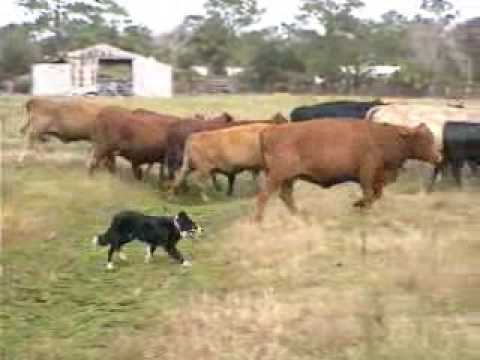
(400, 281)
(55, 283)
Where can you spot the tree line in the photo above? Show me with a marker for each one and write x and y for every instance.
(326, 40)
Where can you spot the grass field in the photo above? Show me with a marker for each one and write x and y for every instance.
(401, 281)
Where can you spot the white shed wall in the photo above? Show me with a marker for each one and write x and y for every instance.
(51, 79)
(151, 78)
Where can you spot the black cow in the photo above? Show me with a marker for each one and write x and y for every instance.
(461, 144)
(334, 109)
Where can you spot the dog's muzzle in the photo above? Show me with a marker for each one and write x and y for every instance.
(192, 233)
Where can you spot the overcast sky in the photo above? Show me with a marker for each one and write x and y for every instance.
(164, 15)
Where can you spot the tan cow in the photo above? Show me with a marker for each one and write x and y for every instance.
(415, 114)
(67, 120)
(227, 151)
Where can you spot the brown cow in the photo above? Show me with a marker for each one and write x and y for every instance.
(331, 152)
(226, 151)
(68, 120)
(164, 116)
(178, 134)
(140, 138)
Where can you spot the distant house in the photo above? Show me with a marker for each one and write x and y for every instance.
(230, 70)
(103, 70)
(372, 71)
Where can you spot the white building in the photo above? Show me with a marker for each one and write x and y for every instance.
(81, 73)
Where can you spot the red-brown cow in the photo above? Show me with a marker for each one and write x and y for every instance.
(331, 152)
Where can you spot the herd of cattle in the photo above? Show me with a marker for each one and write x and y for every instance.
(363, 142)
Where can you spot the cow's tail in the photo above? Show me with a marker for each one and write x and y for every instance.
(262, 140)
(28, 108)
(185, 167)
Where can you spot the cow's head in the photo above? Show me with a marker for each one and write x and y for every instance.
(422, 143)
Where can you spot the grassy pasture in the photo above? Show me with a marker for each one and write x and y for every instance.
(401, 281)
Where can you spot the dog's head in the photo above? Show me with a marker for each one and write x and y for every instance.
(100, 240)
(186, 226)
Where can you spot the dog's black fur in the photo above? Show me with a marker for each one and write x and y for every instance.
(154, 231)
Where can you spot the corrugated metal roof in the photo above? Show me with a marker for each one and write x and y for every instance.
(102, 51)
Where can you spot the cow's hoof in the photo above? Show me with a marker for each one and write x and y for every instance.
(359, 204)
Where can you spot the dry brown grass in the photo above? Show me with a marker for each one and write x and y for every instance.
(400, 281)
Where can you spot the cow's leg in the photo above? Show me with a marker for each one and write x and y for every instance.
(255, 174)
(110, 163)
(286, 195)
(199, 177)
(137, 171)
(378, 185)
(271, 186)
(161, 172)
(231, 183)
(181, 177)
(473, 167)
(98, 154)
(31, 141)
(215, 182)
(368, 176)
(457, 172)
(433, 178)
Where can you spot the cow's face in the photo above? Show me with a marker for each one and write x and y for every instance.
(186, 226)
(422, 144)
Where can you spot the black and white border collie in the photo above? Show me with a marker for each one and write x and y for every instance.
(154, 231)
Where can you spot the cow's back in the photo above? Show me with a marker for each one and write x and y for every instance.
(335, 145)
(434, 116)
(338, 109)
(71, 119)
(229, 149)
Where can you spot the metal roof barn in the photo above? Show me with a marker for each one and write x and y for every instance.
(104, 70)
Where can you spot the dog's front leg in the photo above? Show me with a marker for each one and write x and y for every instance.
(111, 250)
(177, 255)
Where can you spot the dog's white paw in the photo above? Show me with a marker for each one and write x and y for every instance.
(110, 266)
(122, 256)
(95, 241)
(186, 263)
